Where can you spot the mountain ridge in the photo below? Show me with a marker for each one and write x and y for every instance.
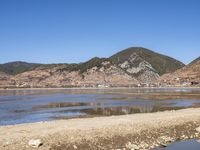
(13, 66)
(128, 67)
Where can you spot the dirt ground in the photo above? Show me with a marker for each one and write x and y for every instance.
(136, 131)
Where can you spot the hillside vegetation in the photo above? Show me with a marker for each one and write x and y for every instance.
(161, 63)
(17, 67)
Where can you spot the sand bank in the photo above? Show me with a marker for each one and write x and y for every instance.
(114, 132)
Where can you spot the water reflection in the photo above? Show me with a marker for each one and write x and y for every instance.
(110, 111)
(67, 104)
(118, 110)
(20, 106)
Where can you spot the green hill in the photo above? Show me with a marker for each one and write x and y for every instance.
(17, 67)
(161, 63)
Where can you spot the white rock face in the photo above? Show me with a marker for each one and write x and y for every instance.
(148, 76)
(132, 65)
(109, 74)
(124, 64)
(140, 67)
(35, 143)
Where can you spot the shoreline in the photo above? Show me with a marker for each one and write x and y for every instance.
(91, 88)
(114, 132)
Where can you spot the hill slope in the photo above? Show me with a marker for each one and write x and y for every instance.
(189, 73)
(195, 61)
(97, 71)
(126, 68)
(160, 63)
(16, 67)
(4, 79)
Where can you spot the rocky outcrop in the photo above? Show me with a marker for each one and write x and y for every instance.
(104, 74)
(162, 64)
(109, 74)
(140, 68)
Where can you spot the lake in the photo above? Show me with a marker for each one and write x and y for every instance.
(182, 145)
(25, 106)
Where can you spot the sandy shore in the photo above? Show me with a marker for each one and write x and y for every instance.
(114, 132)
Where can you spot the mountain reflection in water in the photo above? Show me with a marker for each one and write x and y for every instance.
(109, 111)
(22, 106)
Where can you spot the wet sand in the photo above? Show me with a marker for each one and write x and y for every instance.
(113, 132)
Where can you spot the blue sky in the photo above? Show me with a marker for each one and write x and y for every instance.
(54, 31)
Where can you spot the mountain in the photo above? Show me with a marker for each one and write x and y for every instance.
(188, 74)
(129, 67)
(145, 64)
(16, 67)
(160, 63)
(95, 72)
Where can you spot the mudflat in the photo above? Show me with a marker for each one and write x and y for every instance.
(143, 131)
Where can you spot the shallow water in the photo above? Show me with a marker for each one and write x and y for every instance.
(24, 106)
(183, 145)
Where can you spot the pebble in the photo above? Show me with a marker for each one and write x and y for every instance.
(184, 137)
(131, 146)
(163, 145)
(35, 143)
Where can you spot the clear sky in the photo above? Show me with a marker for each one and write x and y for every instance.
(54, 31)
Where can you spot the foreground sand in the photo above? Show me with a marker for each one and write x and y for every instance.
(144, 130)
